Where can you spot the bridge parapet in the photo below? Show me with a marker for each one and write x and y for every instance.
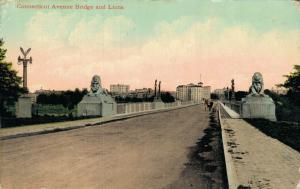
(227, 110)
(127, 108)
(234, 105)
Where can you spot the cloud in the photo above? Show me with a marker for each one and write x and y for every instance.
(48, 30)
(55, 30)
(99, 32)
(219, 55)
(67, 52)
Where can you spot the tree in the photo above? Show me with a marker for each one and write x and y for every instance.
(10, 83)
(230, 95)
(293, 85)
(214, 96)
(240, 94)
(68, 99)
(166, 97)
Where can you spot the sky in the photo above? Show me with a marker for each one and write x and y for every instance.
(175, 41)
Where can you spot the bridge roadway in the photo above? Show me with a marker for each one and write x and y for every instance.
(159, 150)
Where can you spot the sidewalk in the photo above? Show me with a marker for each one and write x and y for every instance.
(256, 160)
(29, 130)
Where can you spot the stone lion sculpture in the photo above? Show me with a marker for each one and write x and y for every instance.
(257, 84)
(96, 88)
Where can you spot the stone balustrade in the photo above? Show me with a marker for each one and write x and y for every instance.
(126, 108)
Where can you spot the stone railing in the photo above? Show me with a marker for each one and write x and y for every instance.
(126, 108)
(234, 105)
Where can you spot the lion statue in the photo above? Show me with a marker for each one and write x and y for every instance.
(257, 84)
(96, 88)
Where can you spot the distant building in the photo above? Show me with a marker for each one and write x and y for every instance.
(182, 93)
(119, 89)
(220, 92)
(280, 90)
(199, 93)
(43, 91)
(144, 92)
(193, 92)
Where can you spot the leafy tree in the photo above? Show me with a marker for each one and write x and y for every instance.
(68, 99)
(230, 95)
(10, 83)
(214, 96)
(166, 97)
(285, 109)
(240, 94)
(293, 85)
(293, 80)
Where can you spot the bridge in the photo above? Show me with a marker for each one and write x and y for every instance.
(157, 150)
(168, 149)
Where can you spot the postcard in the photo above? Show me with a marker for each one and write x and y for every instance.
(149, 94)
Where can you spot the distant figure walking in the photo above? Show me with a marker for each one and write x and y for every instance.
(211, 104)
(205, 104)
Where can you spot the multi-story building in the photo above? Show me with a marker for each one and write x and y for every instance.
(199, 93)
(119, 89)
(193, 92)
(182, 93)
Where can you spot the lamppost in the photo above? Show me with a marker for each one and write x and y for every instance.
(155, 85)
(25, 62)
(232, 89)
(159, 95)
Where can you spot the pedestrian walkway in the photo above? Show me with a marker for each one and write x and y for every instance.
(259, 161)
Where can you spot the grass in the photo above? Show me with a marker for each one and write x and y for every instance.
(286, 132)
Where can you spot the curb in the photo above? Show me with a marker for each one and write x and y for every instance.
(230, 168)
(117, 117)
(230, 112)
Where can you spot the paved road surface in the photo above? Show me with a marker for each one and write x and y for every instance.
(154, 151)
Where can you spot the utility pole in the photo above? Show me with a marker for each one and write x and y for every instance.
(158, 96)
(155, 85)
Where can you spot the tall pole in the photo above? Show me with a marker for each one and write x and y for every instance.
(232, 89)
(25, 62)
(155, 85)
(25, 75)
(158, 97)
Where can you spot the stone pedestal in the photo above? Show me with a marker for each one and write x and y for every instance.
(258, 106)
(24, 107)
(99, 105)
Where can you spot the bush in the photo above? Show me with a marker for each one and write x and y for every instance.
(285, 110)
